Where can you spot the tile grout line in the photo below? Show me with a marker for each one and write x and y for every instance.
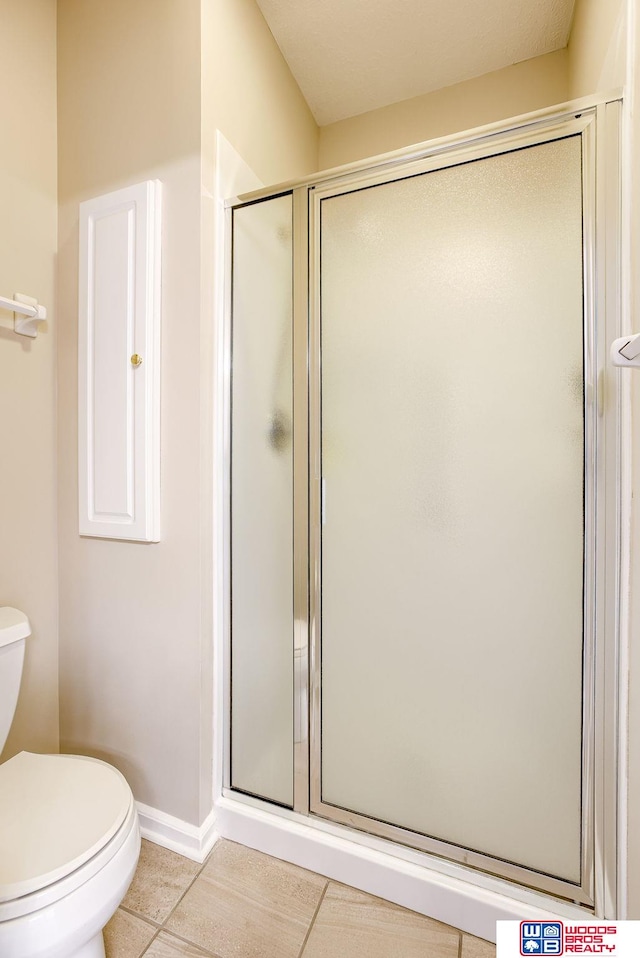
(142, 953)
(162, 925)
(459, 944)
(187, 889)
(313, 920)
(187, 941)
(138, 914)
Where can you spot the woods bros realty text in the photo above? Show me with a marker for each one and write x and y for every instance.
(589, 939)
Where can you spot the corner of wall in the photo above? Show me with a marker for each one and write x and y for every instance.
(597, 47)
(517, 89)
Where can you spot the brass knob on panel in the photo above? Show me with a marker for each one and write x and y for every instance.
(136, 359)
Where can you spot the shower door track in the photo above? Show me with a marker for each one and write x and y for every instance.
(598, 124)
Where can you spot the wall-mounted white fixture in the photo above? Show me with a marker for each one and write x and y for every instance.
(625, 351)
(119, 364)
(28, 311)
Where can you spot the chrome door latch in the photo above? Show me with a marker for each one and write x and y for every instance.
(626, 351)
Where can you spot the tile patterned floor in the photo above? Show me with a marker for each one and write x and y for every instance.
(243, 904)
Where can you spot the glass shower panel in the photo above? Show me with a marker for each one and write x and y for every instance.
(452, 537)
(261, 502)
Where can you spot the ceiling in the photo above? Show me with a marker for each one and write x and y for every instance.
(351, 56)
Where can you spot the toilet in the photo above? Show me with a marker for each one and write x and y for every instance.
(69, 835)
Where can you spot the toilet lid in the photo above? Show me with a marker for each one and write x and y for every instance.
(56, 812)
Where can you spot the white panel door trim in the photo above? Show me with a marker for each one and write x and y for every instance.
(119, 401)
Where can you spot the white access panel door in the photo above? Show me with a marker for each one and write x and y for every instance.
(119, 364)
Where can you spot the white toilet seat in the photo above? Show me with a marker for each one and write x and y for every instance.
(65, 920)
(62, 819)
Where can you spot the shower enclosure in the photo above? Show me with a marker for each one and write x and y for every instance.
(422, 524)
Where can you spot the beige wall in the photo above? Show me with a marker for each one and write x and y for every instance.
(521, 88)
(129, 110)
(28, 219)
(249, 94)
(135, 101)
(596, 47)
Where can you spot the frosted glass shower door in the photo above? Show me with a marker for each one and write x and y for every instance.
(452, 529)
(261, 502)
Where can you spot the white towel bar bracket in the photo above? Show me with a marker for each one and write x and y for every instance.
(28, 314)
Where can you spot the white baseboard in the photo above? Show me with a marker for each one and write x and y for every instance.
(465, 904)
(192, 841)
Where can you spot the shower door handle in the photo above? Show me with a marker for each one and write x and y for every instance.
(625, 351)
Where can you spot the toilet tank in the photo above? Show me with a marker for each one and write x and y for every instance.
(14, 629)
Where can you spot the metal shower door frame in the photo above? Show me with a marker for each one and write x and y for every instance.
(597, 121)
(590, 126)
